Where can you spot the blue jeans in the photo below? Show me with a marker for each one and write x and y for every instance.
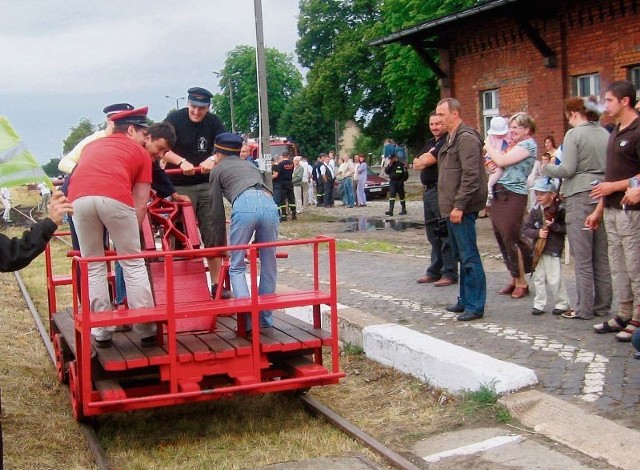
(254, 211)
(346, 188)
(473, 283)
(121, 288)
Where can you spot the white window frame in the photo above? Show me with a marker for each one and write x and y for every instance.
(490, 105)
(586, 85)
(633, 74)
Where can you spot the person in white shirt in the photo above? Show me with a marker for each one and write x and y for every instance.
(307, 183)
(45, 195)
(5, 198)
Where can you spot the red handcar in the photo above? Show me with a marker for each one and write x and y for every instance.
(203, 352)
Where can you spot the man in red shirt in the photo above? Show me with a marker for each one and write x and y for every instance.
(110, 189)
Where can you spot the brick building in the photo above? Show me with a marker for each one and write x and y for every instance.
(504, 56)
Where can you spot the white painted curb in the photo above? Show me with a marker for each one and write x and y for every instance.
(442, 364)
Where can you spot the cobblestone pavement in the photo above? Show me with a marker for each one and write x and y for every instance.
(571, 362)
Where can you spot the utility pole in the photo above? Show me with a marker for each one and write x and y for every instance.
(263, 104)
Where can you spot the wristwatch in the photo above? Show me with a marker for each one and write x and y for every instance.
(213, 159)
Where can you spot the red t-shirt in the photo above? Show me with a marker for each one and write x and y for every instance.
(110, 167)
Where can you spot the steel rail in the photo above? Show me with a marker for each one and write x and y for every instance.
(391, 456)
(90, 435)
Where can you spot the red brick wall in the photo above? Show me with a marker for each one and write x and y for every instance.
(588, 36)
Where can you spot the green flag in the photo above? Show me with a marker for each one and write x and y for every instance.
(17, 164)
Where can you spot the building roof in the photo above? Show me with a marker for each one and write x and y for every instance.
(485, 10)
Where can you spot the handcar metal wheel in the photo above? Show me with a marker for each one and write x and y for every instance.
(61, 368)
(74, 388)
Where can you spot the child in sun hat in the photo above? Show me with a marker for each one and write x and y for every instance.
(498, 138)
(546, 227)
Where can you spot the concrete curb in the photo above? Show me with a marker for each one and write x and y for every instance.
(568, 424)
(442, 364)
(431, 360)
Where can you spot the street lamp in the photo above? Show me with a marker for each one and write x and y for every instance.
(174, 98)
(230, 85)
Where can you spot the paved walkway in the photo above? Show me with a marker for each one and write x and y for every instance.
(594, 371)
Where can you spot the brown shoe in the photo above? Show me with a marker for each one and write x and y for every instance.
(426, 279)
(520, 292)
(444, 282)
(507, 290)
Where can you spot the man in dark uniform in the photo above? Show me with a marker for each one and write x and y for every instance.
(282, 175)
(317, 179)
(443, 270)
(196, 129)
(397, 176)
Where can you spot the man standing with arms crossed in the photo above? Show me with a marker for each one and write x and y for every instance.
(443, 270)
(462, 193)
(196, 130)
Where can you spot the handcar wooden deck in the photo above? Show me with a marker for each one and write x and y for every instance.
(202, 351)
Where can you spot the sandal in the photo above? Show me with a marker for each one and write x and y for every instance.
(572, 314)
(626, 334)
(606, 327)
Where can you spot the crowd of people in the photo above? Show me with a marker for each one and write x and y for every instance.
(585, 190)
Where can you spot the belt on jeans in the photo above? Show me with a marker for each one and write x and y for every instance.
(259, 187)
(430, 186)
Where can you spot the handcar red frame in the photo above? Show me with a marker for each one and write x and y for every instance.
(203, 352)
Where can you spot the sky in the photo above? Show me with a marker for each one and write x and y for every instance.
(65, 60)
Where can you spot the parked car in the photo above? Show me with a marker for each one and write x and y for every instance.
(376, 186)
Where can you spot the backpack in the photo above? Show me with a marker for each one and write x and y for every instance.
(401, 153)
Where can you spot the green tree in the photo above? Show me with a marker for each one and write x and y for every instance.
(306, 126)
(344, 76)
(388, 90)
(78, 132)
(51, 167)
(284, 81)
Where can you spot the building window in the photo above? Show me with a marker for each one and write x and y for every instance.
(633, 74)
(586, 85)
(490, 108)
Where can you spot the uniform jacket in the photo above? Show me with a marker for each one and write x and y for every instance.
(395, 171)
(462, 179)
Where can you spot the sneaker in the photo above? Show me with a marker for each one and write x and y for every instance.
(559, 311)
(226, 294)
(389, 213)
(537, 311)
(149, 341)
(403, 212)
(102, 342)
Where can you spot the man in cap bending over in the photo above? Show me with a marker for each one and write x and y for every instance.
(253, 214)
(197, 129)
(110, 189)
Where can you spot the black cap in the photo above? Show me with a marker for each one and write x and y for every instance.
(137, 117)
(199, 96)
(228, 143)
(117, 107)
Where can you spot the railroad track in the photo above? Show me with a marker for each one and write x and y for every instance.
(311, 404)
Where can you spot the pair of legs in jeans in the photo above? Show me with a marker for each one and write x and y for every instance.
(254, 212)
(473, 283)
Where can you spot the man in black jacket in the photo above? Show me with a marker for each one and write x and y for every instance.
(16, 253)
